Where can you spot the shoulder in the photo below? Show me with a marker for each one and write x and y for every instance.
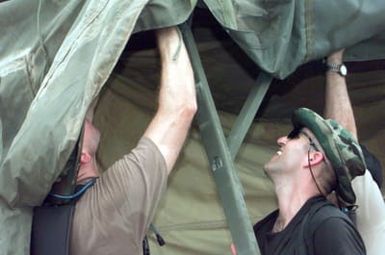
(338, 224)
(145, 156)
(332, 232)
(324, 215)
(337, 236)
(142, 171)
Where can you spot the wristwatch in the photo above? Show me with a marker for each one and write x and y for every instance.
(337, 68)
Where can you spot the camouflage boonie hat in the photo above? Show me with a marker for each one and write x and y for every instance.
(340, 147)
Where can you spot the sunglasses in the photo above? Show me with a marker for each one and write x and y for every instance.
(294, 134)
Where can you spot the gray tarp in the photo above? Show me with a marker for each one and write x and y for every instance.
(55, 56)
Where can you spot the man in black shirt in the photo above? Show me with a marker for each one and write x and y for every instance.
(317, 157)
(326, 232)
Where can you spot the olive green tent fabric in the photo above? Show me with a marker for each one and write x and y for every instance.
(55, 56)
(281, 35)
(190, 217)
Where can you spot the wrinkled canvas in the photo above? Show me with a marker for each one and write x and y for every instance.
(55, 57)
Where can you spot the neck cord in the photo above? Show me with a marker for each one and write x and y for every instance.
(312, 174)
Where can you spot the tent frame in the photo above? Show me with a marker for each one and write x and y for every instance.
(221, 152)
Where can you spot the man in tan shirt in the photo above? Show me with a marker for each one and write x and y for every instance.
(113, 216)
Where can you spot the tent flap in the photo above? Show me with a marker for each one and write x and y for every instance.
(55, 57)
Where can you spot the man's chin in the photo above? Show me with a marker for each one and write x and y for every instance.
(270, 169)
(266, 169)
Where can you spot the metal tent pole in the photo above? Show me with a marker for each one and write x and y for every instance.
(219, 154)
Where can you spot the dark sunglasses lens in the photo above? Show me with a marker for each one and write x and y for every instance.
(294, 134)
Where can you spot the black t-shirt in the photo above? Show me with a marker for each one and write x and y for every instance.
(319, 228)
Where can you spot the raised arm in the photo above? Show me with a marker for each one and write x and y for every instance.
(177, 98)
(371, 207)
(337, 101)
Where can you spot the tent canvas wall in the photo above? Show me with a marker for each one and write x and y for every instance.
(190, 217)
(56, 56)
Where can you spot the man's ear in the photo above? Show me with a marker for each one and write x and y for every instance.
(85, 158)
(315, 158)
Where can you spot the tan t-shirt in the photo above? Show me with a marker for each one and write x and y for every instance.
(113, 216)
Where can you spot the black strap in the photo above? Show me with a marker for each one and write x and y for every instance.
(146, 246)
(52, 222)
(51, 230)
(159, 239)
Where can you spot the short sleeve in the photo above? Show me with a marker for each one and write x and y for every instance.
(136, 183)
(113, 216)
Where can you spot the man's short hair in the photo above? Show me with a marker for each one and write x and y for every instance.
(341, 149)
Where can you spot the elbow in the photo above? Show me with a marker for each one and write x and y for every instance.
(189, 109)
(185, 110)
(179, 108)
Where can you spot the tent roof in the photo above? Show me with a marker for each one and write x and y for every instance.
(56, 56)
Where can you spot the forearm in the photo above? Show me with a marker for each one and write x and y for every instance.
(337, 101)
(177, 99)
(177, 86)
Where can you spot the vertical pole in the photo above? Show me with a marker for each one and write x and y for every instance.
(228, 185)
